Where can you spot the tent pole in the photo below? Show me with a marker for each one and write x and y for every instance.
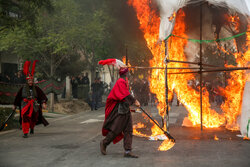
(201, 65)
(166, 87)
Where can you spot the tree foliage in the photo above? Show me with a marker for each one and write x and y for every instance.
(20, 13)
(75, 36)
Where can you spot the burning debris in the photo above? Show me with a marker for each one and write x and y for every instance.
(158, 133)
(171, 24)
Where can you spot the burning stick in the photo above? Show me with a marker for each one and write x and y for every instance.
(5, 122)
(165, 132)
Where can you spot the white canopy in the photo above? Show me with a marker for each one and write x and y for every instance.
(168, 7)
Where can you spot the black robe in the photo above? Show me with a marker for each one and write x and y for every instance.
(41, 98)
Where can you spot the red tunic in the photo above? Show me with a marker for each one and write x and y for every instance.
(117, 94)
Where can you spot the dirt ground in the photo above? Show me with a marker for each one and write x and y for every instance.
(71, 106)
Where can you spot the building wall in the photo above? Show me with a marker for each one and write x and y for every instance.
(11, 60)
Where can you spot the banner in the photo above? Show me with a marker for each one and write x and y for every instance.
(8, 91)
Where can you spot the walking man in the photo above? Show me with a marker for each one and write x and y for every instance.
(118, 119)
(30, 98)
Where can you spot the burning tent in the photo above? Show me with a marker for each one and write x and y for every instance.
(219, 8)
(230, 20)
(245, 113)
(169, 9)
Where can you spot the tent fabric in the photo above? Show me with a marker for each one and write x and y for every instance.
(245, 109)
(168, 7)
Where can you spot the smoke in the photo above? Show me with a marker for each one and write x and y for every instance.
(192, 51)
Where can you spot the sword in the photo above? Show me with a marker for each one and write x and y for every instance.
(165, 132)
(5, 122)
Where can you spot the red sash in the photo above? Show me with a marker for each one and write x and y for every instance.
(29, 106)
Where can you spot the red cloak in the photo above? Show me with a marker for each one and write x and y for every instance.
(117, 94)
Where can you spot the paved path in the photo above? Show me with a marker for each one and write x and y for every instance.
(73, 141)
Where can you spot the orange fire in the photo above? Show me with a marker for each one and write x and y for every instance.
(124, 61)
(128, 64)
(166, 145)
(177, 83)
(246, 138)
(216, 138)
(137, 133)
(234, 90)
(234, 20)
(149, 23)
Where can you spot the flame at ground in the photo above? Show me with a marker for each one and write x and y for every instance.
(246, 138)
(166, 145)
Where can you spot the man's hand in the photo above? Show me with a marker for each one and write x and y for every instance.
(44, 106)
(137, 103)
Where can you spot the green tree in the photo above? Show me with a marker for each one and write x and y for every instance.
(89, 29)
(22, 12)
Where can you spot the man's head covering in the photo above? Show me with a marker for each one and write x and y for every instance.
(26, 71)
(123, 69)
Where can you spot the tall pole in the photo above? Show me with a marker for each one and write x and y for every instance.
(166, 87)
(201, 65)
(225, 62)
(126, 54)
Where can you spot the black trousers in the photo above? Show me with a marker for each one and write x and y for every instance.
(121, 124)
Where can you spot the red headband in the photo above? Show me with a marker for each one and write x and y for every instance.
(123, 71)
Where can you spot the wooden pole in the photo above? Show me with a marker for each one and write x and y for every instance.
(201, 65)
(166, 87)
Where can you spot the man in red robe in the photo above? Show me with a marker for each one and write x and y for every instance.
(118, 120)
(30, 98)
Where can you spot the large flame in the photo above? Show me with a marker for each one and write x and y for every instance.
(186, 94)
(149, 23)
(234, 20)
(234, 90)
